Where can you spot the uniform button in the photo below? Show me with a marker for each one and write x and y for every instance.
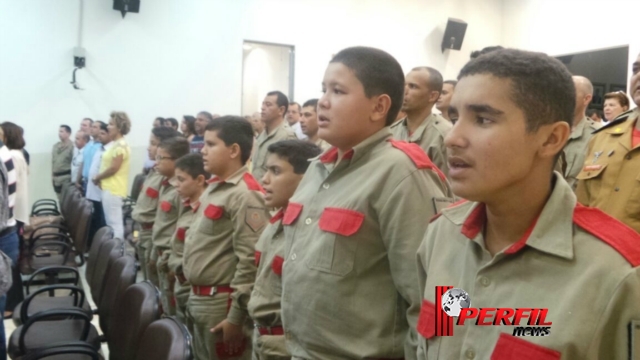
(617, 189)
(485, 281)
(326, 186)
(470, 354)
(308, 221)
(293, 256)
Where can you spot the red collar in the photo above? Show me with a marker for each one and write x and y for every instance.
(165, 182)
(215, 179)
(331, 156)
(278, 216)
(194, 207)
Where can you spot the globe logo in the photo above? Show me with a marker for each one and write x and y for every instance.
(454, 300)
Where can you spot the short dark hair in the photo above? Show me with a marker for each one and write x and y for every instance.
(435, 77)
(281, 100)
(379, 73)
(66, 128)
(191, 123)
(296, 152)
(13, 135)
(541, 86)
(593, 111)
(311, 102)
(294, 103)
(103, 125)
(90, 120)
(176, 146)
(234, 130)
(451, 82)
(206, 114)
(163, 132)
(485, 50)
(192, 164)
(174, 122)
(160, 120)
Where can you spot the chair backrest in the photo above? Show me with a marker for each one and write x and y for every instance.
(138, 181)
(109, 252)
(138, 308)
(121, 275)
(165, 339)
(76, 350)
(104, 233)
(82, 225)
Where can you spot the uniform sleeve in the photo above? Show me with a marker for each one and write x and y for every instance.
(582, 190)
(438, 155)
(422, 281)
(249, 221)
(611, 340)
(404, 219)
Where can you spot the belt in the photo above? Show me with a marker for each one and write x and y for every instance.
(270, 330)
(146, 226)
(7, 231)
(181, 279)
(210, 290)
(62, 173)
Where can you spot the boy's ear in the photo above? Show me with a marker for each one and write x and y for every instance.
(200, 180)
(555, 136)
(235, 151)
(381, 106)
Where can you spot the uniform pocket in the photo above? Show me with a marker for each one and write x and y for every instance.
(276, 281)
(592, 177)
(337, 250)
(427, 320)
(510, 347)
(181, 233)
(212, 214)
(152, 193)
(292, 213)
(633, 204)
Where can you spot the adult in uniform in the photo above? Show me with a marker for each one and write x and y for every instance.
(287, 162)
(448, 87)
(144, 212)
(522, 241)
(164, 225)
(219, 248)
(423, 86)
(582, 128)
(61, 157)
(274, 107)
(354, 225)
(293, 119)
(309, 124)
(610, 176)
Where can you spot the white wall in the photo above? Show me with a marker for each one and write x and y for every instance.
(180, 56)
(560, 27)
(265, 68)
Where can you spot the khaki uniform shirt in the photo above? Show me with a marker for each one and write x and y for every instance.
(429, 135)
(259, 158)
(576, 149)
(187, 215)
(323, 144)
(264, 305)
(610, 177)
(147, 204)
(590, 289)
(220, 245)
(61, 157)
(352, 230)
(167, 215)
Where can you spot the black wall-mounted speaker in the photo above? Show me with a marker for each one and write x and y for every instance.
(454, 34)
(126, 6)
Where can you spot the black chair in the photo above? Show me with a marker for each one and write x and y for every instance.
(72, 350)
(103, 234)
(121, 275)
(165, 339)
(109, 251)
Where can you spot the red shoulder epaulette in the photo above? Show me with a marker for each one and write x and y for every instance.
(436, 216)
(418, 156)
(251, 182)
(616, 234)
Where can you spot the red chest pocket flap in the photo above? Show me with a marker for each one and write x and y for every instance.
(341, 221)
(257, 257)
(165, 206)
(152, 193)
(510, 347)
(427, 320)
(213, 212)
(181, 233)
(292, 213)
(276, 265)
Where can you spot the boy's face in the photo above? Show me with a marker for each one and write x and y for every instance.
(279, 182)
(345, 114)
(309, 121)
(488, 149)
(152, 149)
(187, 185)
(164, 163)
(215, 153)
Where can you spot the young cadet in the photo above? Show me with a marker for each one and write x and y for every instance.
(274, 107)
(423, 86)
(309, 124)
(144, 213)
(353, 226)
(610, 176)
(522, 244)
(191, 182)
(220, 245)
(287, 161)
(166, 218)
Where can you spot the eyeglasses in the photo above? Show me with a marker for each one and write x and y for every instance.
(158, 158)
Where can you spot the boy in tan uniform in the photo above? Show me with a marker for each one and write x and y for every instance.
(522, 244)
(423, 86)
(192, 180)
(144, 212)
(164, 225)
(309, 124)
(354, 225)
(220, 245)
(287, 162)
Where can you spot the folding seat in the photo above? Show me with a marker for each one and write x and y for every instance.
(165, 339)
(103, 234)
(121, 275)
(138, 308)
